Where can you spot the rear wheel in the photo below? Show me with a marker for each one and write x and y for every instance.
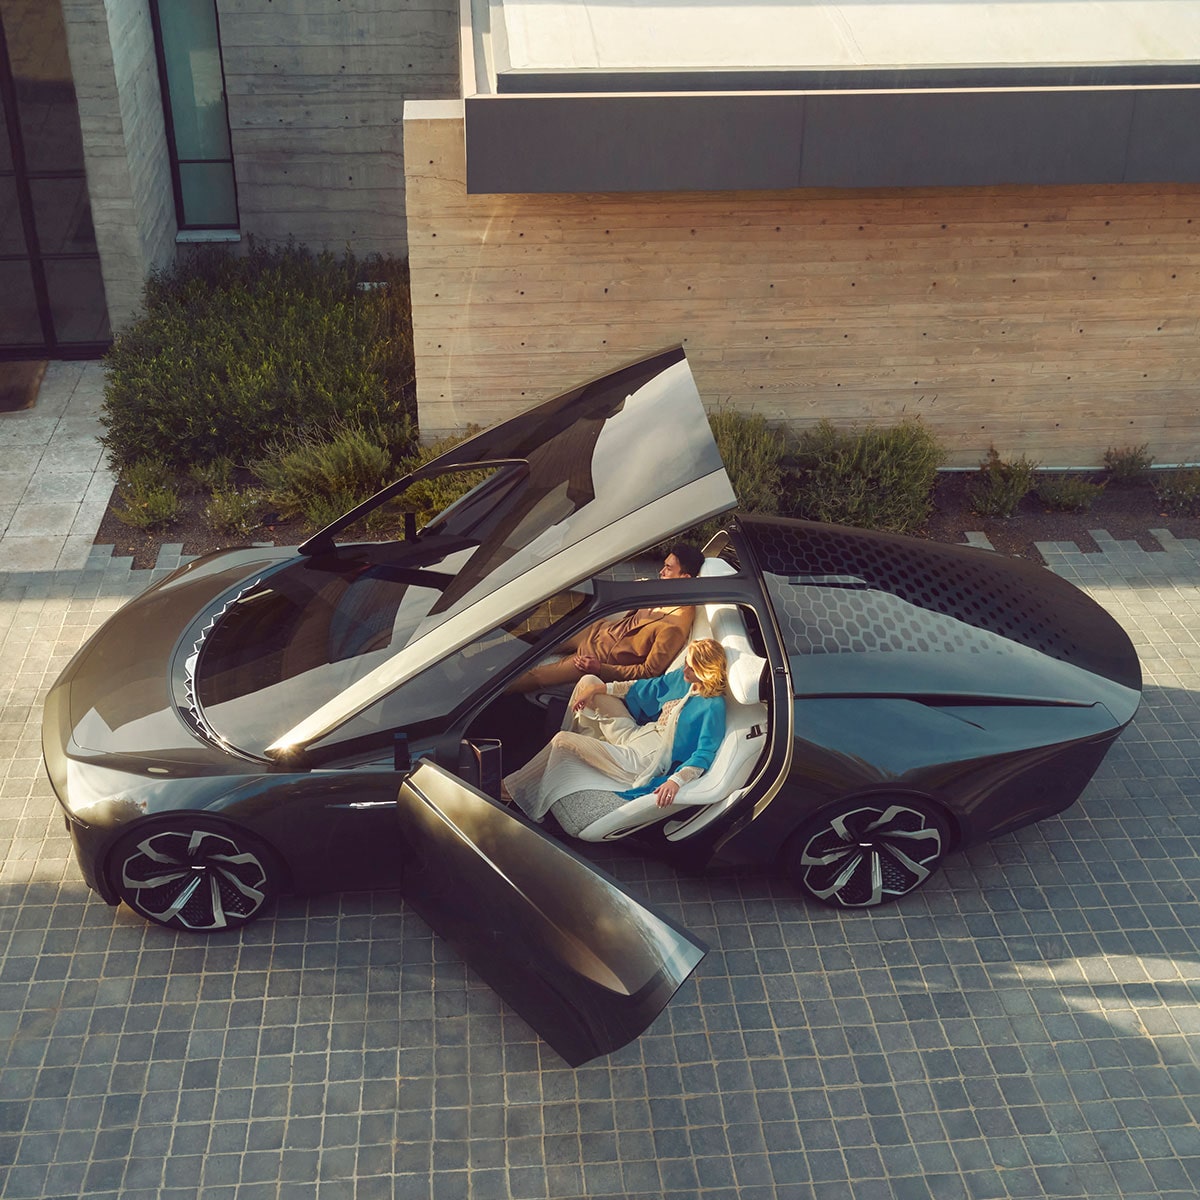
(861, 853)
(200, 876)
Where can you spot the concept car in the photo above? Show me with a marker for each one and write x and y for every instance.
(333, 716)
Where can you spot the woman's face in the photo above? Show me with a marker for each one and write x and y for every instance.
(689, 675)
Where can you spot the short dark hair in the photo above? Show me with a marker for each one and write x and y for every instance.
(690, 558)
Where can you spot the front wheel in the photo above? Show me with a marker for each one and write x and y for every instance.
(861, 853)
(199, 876)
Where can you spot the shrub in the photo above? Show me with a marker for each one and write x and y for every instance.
(1067, 491)
(146, 496)
(1178, 491)
(231, 511)
(232, 350)
(879, 478)
(319, 476)
(214, 476)
(1001, 485)
(753, 454)
(1127, 464)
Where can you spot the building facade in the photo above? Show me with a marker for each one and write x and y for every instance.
(130, 127)
(984, 215)
(1050, 320)
(1005, 245)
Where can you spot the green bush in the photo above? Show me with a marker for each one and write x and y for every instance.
(320, 476)
(876, 478)
(1128, 464)
(1067, 491)
(1001, 485)
(232, 511)
(753, 454)
(1178, 491)
(232, 351)
(146, 495)
(213, 476)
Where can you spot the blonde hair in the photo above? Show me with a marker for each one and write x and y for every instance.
(706, 657)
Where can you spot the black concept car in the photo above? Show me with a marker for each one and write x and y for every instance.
(332, 716)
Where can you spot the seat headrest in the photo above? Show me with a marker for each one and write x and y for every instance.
(713, 567)
(745, 667)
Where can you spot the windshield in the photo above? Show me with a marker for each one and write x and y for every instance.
(290, 643)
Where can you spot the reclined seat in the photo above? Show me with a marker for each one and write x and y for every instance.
(702, 799)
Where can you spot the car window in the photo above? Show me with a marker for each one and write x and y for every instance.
(588, 459)
(457, 499)
(420, 704)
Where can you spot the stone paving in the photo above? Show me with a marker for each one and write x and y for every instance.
(1027, 1026)
(54, 486)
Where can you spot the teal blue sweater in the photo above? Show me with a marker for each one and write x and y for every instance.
(698, 732)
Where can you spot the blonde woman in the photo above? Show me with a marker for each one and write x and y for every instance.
(647, 735)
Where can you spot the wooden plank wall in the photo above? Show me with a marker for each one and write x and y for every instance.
(316, 92)
(1054, 322)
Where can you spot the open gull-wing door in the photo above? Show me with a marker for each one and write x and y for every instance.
(586, 965)
(574, 485)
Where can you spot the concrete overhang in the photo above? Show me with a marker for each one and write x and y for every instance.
(676, 95)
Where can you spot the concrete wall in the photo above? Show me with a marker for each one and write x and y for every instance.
(316, 91)
(128, 169)
(1055, 321)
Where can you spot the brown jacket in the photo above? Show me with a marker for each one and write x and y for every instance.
(640, 645)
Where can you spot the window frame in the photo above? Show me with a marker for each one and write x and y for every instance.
(169, 119)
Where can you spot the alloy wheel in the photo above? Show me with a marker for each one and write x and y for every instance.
(865, 854)
(194, 877)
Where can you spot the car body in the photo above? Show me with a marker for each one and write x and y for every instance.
(331, 716)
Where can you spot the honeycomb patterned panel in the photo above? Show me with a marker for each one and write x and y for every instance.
(843, 572)
(836, 620)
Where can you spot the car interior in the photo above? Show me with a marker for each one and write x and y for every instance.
(523, 724)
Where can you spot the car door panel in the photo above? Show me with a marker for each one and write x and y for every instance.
(586, 965)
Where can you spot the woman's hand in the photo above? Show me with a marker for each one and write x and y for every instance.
(666, 793)
(584, 700)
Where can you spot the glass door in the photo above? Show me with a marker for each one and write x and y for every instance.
(52, 302)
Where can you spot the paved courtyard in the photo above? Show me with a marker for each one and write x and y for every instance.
(1027, 1026)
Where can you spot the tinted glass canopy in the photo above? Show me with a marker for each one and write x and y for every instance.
(565, 490)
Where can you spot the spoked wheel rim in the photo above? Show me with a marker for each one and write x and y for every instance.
(868, 854)
(193, 878)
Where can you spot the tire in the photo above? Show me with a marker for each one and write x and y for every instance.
(861, 853)
(195, 875)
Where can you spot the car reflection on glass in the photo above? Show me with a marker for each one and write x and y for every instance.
(332, 716)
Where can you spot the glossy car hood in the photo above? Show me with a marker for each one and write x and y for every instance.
(578, 483)
(115, 695)
(870, 613)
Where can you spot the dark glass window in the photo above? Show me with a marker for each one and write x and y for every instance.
(420, 705)
(193, 87)
(63, 216)
(19, 322)
(76, 291)
(51, 290)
